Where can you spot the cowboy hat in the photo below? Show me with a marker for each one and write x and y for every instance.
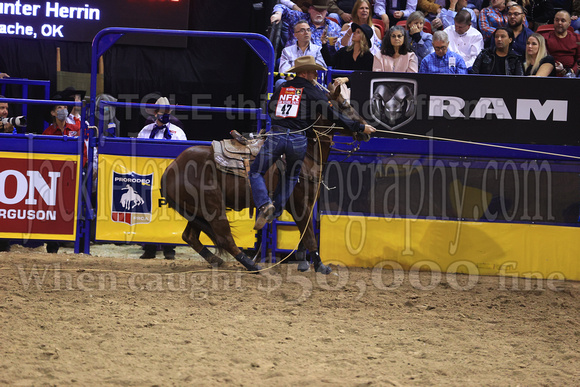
(69, 93)
(305, 63)
(366, 30)
(320, 5)
(160, 101)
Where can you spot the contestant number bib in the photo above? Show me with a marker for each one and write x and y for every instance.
(288, 102)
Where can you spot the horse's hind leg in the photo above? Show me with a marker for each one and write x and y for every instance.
(191, 236)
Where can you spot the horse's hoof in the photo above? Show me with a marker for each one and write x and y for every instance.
(215, 261)
(303, 266)
(255, 269)
(248, 263)
(323, 269)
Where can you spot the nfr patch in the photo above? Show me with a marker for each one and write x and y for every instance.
(131, 198)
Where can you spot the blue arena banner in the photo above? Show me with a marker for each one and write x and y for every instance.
(132, 198)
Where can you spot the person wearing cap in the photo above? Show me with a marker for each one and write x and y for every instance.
(421, 41)
(316, 18)
(361, 14)
(159, 130)
(358, 55)
(442, 61)
(294, 109)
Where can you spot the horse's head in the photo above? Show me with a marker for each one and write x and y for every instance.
(345, 108)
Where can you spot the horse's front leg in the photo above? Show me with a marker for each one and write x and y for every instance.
(301, 209)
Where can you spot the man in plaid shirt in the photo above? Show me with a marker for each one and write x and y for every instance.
(492, 17)
(316, 18)
(442, 61)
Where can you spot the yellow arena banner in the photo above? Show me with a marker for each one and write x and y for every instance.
(131, 209)
(39, 196)
(486, 248)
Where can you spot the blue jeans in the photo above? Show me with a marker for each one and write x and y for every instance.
(293, 145)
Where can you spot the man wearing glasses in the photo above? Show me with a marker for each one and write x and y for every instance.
(442, 61)
(303, 46)
(516, 20)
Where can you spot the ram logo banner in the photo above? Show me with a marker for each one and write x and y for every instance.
(393, 101)
(132, 198)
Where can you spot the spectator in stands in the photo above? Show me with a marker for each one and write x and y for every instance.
(74, 117)
(452, 7)
(303, 46)
(516, 19)
(290, 4)
(442, 61)
(421, 42)
(538, 63)
(563, 45)
(59, 125)
(396, 55)
(538, 12)
(432, 11)
(340, 10)
(392, 11)
(316, 18)
(500, 60)
(361, 14)
(4, 75)
(358, 55)
(159, 130)
(491, 18)
(111, 125)
(4, 128)
(575, 14)
(156, 96)
(464, 39)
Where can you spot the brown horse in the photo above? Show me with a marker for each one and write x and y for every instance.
(201, 193)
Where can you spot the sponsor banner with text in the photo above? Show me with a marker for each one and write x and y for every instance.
(131, 209)
(523, 110)
(38, 196)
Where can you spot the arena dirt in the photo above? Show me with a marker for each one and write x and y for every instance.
(111, 319)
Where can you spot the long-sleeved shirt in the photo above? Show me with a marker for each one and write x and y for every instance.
(565, 50)
(300, 105)
(291, 53)
(403, 64)
(468, 45)
(381, 7)
(291, 17)
(450, 63)
(489, 19)
(448, 17)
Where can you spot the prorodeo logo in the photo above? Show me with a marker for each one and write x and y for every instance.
(393, 101)
(132, 198)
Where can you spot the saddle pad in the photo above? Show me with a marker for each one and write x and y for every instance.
(229, 162)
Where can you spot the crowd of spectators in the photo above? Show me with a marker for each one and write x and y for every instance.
(499, 37)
